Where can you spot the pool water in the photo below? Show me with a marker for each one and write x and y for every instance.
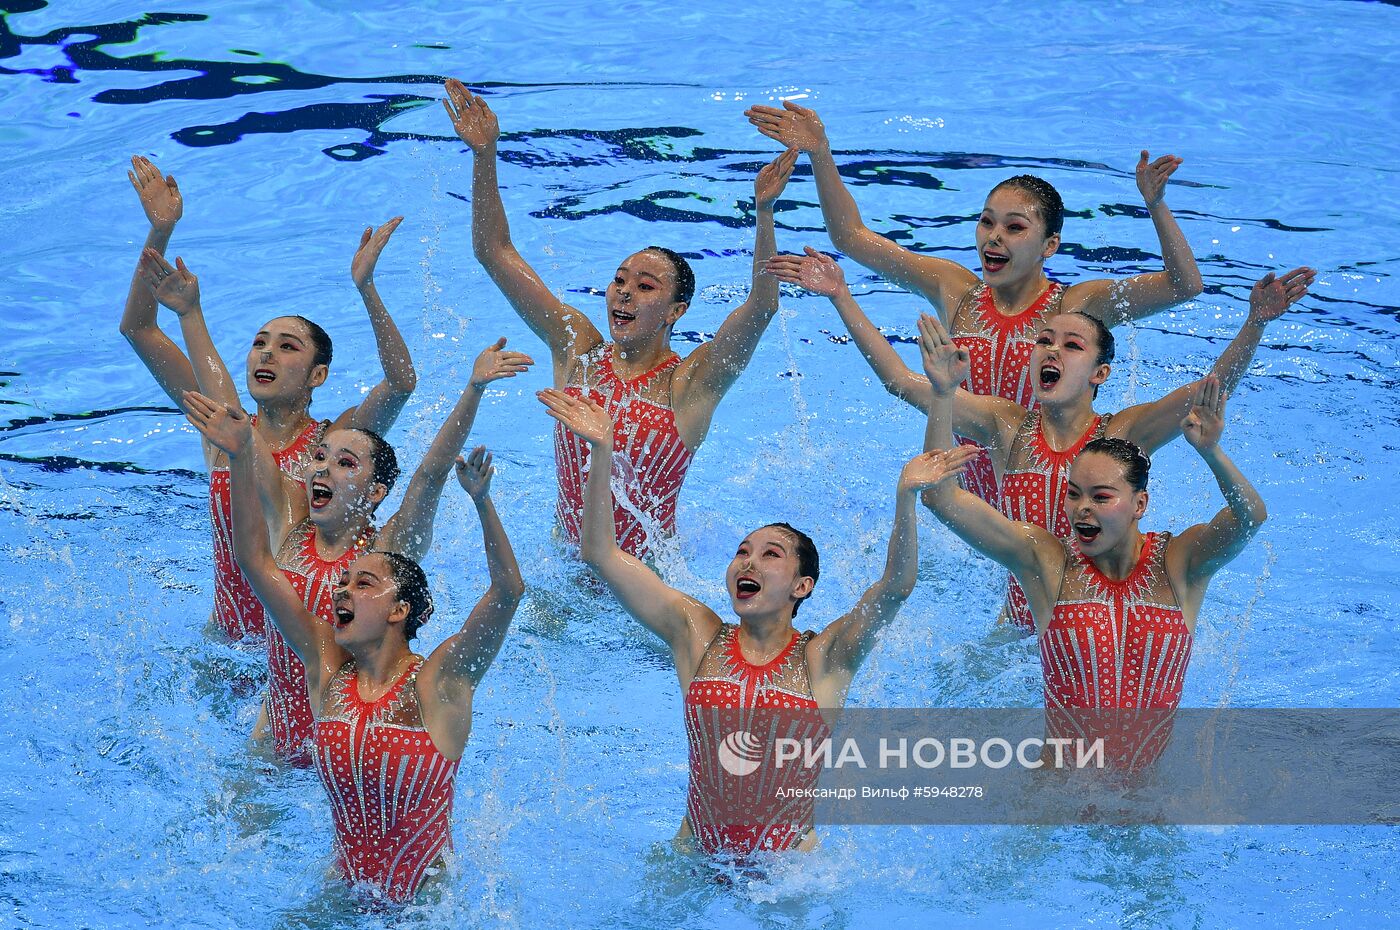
(127, 796)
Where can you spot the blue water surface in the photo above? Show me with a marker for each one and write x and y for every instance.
(127, 796)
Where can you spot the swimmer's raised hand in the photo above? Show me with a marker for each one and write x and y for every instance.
(175, 286)
(475, 123)
(772, 179)
(474, 473)
(494, 363)
(227, 427)
(813, 271)
(1152, 178)
(1271, 296)
(930, 469)
(945, 362)
(1205, 422)
(582, 416)
(160, 196)
(794, 126)
(372, 242)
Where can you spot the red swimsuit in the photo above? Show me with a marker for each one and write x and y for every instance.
(731, 697)
(390, 789)
(647, 449)
(1114, 656)
(1116, 643)
(314, 578)
(1033, 491)
(1000, 347)
(237, 610)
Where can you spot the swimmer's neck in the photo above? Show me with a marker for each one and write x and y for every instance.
(1063, 424)
(762, 638)
(280, 422)
(1015, 296)
(334, 541)
(1118, 563)
(638, 358)
(378, 665)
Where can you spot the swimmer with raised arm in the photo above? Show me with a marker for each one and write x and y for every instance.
(317, 529)
(390, 725)
(290, 357)
(661, 404)
(995, 318)
(1114, 608)
(1032, 449)
(762, 663)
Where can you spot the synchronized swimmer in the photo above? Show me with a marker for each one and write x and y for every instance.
(1012, 361)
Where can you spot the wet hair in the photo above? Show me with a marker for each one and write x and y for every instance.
(1047, 199)
(413, 590)
(320, 341)
(384, 464)
(809, 563)
(1103, 334)
(685, 276)
(1135, 462)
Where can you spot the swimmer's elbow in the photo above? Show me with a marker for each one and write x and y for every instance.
(1187, 284)
(510, 591)
(1258, 513)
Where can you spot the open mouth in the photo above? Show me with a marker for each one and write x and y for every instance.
(320, 495)
(622, 317)
(746, 588)
(263, 376)
(343, 615)
(1049, 376)
(994, 261)
(1086, 532)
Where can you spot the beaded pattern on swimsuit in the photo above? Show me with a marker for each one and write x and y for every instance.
(237, 610)
(647, 449)
(1033, 491)
(729, 694)
(1000, 349)
(1116, 643)
(314, 578)
(389, 787)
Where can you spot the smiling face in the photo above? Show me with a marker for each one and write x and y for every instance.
(1101, 504)
(340, 485)
(366, 602)
(281, 362)
(764, 576)
(1064, 363)
(1011, 238)
(641, 298)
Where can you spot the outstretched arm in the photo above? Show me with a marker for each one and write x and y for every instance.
(844, 644)
(1116, 301)
(455, 669)
(989, 420)
(163, 206)
(230, 430)
(385, 401)
(1154, 424)
(1208, 547)
(566, 331)
(938, 280)
(710, 371)
(410, 531)
(1029, 552)
(820, 274)
(686, 625)
(177, 288)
